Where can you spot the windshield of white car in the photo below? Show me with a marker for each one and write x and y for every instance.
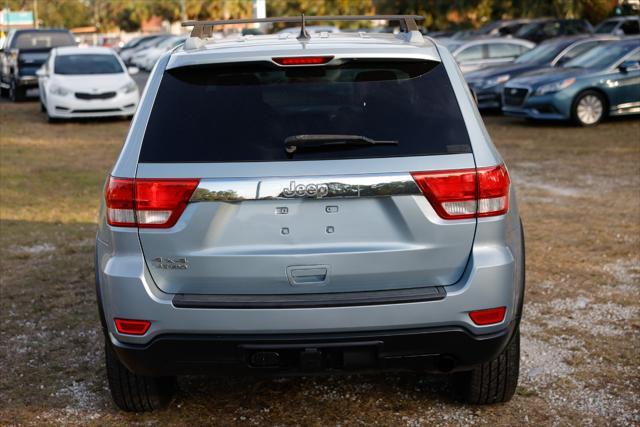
(87, 64)
(602, 56)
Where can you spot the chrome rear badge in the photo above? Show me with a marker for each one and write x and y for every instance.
(310, 190)
(171, 263)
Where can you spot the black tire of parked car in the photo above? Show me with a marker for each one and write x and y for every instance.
(16, 93)
(582, 95)
(494, 381)
(136, 393)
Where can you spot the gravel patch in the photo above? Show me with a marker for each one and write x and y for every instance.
(34, 250)
(624, 271)
(79, 396)
(523, 180)
(605, 319)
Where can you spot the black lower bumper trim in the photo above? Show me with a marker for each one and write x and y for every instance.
(433, 349)
(337, 299)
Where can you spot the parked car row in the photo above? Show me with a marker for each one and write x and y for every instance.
(144, 51)
(147, 58)
(579, 78)
(538, 30)
(583, 77)
(487, 83)
(604, 81)
(475, 54)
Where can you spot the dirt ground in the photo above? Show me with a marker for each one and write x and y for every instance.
(579, 192)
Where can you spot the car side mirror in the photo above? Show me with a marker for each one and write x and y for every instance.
(133, 70)
(627, 66)
(41, 72)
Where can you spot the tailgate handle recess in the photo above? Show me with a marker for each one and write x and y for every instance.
(308, 275)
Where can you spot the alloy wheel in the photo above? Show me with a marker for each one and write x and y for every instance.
(589, 109)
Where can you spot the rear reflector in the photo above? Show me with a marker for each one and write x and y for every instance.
(489, 316)
(303, 60)
(132, 327)
(466, 193)
(147, 203)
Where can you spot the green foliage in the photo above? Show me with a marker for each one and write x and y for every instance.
(128, 14)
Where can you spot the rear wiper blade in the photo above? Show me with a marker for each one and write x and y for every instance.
(292, 143)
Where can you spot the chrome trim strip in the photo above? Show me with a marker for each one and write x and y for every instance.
(305, 187)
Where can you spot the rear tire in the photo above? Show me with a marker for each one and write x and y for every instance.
(136, 393)
(494, 381)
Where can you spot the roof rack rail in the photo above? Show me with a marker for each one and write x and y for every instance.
(204, 29)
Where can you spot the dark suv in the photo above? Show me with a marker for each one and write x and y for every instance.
(21, 56)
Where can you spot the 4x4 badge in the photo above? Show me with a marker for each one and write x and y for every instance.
(171, 263)
(309, 190)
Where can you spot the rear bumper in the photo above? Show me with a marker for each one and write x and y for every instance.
(442, 349)
(127, 291)
(492, 278)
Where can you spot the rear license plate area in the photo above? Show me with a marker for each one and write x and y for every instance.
(313, 357)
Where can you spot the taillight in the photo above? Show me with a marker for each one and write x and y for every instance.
(493, 189)
(160, 202)
(302, 60)
(466, 193)
(132, 327)
(488, 316)
(147, 203)
(119, 199)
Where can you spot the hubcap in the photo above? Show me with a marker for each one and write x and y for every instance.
(589, 109)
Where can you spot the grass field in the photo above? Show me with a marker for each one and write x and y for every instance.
(579, 191)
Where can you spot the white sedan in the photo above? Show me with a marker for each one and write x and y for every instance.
(86, 82)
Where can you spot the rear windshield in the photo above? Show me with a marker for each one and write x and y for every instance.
(87, 64)
(34, 40)
(240, 113)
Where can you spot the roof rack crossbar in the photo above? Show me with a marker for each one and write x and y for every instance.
(204, 29)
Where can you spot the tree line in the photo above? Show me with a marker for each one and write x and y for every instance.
(128, 15)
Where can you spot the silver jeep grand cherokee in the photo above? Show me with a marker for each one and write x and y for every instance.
(290, 204)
